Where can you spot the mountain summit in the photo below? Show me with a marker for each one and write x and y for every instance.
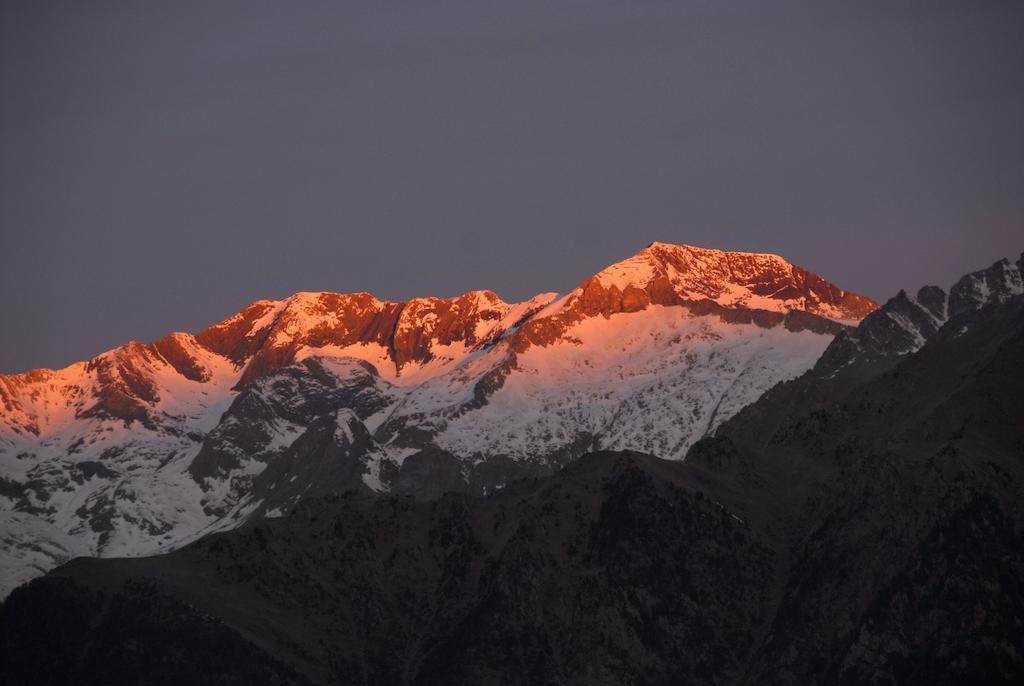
(667, 274)
(411, 341)
(147, 446)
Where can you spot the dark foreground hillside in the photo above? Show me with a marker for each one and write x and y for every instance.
(867, 531)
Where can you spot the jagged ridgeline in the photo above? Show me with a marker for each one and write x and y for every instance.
(151, 445)
(859, 523)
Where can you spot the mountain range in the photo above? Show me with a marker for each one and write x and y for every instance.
(856, 520)
(148, 446)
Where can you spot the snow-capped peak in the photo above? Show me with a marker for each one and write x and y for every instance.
(674, 274)
(149, 445)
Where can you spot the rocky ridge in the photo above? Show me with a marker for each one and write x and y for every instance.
(857, 524)
(150, 445)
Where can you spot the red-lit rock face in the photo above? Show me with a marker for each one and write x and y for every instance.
(412, 332)
(431, 335)
(175, 349)
(696, 273)
(665, 274)
(239, 337)
(124, 388)
(738, 288)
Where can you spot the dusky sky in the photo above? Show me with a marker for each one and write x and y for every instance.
(164, 164)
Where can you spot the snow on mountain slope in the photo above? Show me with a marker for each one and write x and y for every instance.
(655, 380)
(92, 457)
(148, 446)
(905, 323)
(1000, 282)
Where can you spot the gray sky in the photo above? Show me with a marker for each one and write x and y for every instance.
(164, 164)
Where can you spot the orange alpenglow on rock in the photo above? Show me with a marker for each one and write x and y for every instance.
(425, 337)
(150, 445)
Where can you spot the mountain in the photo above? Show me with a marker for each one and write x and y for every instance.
(903, 472)
(857, 524)
(903, 325)
(148, 446)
